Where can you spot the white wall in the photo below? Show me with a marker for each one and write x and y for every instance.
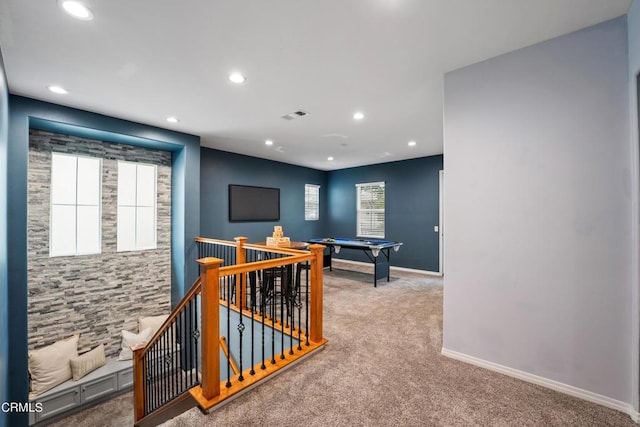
(538, 274)
(633, 24)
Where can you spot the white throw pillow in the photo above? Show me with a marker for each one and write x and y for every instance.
(152, 322)
(129, 339)
(49, 366)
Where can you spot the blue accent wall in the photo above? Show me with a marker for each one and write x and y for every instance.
(4, 302)
(25, 113)
(411, 208)
(412, 202)
(219, 169)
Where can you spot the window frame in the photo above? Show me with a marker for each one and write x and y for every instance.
(76, 205)
(136, 247)
(309, 205)
(360, 212)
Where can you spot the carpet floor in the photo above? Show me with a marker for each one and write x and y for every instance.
(381, 367)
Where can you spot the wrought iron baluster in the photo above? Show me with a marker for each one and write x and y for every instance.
(152, 380)
(228, 384)
(189, 341)
(164, 362)
(156, 376)
(171, 387)
(300, 306)
(263, 303)
(306, 326)
(291, 300)
(183, 351)
(273, 318)
(148, 395)
(180, 348)
(252, 288)
(159, 379)
(158, 357)
(174, 358)
(196, 336)
(240, 327)
(283, 291)
(177, 357)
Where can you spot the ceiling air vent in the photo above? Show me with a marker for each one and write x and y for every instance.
(295, 115)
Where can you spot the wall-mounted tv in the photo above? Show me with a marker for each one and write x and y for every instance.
(247, 203)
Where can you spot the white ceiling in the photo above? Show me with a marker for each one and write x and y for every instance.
(144, 60)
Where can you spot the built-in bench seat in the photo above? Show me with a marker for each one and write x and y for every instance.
(113, 378)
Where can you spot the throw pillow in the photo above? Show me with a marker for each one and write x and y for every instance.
(153, 322)
(88, 362)
(49, 366)
(129, 339)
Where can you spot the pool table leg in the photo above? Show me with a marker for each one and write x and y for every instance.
(375, 272)
(388, 254)
(380, 266)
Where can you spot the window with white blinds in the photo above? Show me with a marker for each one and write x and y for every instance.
(136, 206)
(75, 226)
(370, 210)
(311, 202)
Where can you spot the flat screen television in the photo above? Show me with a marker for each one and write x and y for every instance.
(247, 203)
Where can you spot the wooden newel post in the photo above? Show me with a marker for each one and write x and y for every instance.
(138, 384)
(209, 278)
(315, 315)
(241, 258)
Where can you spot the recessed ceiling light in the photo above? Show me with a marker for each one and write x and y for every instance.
(412, 143)
(172, 119)
(237, 78)
(358, 115)
(330, 158)
(268, 142)
(57, 89)
(76, 9)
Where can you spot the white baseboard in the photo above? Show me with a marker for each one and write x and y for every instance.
(405, 269)
(413, 270)
(545, 382)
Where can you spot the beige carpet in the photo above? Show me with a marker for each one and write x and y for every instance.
(382, 367)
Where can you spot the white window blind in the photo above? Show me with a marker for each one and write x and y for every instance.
(311, 202)
(75, 226)
(136, 206)
(370, 210)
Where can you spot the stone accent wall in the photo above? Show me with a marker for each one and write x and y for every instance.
(96, 295)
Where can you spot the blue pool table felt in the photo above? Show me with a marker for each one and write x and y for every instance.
(355, 242)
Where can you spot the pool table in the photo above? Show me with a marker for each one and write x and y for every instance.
(373, 248)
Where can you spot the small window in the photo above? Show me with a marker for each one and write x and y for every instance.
(136, 206)
(370, 210)
(74, 223)
(311, 202)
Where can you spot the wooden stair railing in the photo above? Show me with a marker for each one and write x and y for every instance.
(175, 345)
(254, 374)
(187, 326)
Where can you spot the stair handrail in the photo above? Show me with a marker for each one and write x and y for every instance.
(211, 274)
(140, 351)
(207, 286)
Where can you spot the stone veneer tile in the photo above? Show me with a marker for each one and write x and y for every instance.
(96, 295)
